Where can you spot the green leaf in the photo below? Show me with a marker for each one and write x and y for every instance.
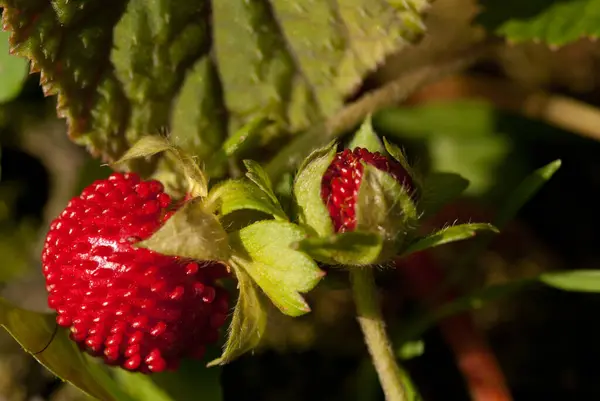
(257, 175)
(555, 23)
(447, 235)
(312, 211)
(192, 232)
(249, 320)
(197, 118)
(349, 248)
(38, 334)
(13, 71)
(191, 376)
(264, 251)
(234, 195)
(439, 189)
(366, 138)
(140, 66)
(574, 280)
(525, 191)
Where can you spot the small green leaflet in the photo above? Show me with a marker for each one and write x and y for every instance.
(146, 146)
(192, 232)
(349, 248)
(264, 251)
(150, 145)
(258, 176)
(249, 319)
(233, 195)
(366, 138)
(447, 235)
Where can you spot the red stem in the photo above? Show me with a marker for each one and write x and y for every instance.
(474, 357)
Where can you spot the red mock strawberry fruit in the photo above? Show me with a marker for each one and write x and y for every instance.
(342, 179)
(133, 307)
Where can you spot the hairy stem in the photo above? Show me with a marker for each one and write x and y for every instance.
(350, 116)
(376, 339)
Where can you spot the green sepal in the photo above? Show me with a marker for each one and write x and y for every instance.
(192, 232)
(312, 211)
(385, 207)
(258, 176)
(400, 157)
(150, 145)
(264, 251)
(367, 138)
(249, 320)
(242, 194)
(348, 248)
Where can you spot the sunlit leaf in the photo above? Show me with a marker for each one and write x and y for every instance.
(264, 251)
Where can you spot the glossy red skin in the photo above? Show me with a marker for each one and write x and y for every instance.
(133, 307)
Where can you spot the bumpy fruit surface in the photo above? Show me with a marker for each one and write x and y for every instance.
(133, 307)
(341, 182)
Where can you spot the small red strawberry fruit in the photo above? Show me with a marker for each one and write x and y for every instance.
(133, 307)
(342, 179)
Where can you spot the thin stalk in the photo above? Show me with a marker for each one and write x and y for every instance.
(373, 328)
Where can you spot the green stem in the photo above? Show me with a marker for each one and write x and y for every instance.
(373, 327)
